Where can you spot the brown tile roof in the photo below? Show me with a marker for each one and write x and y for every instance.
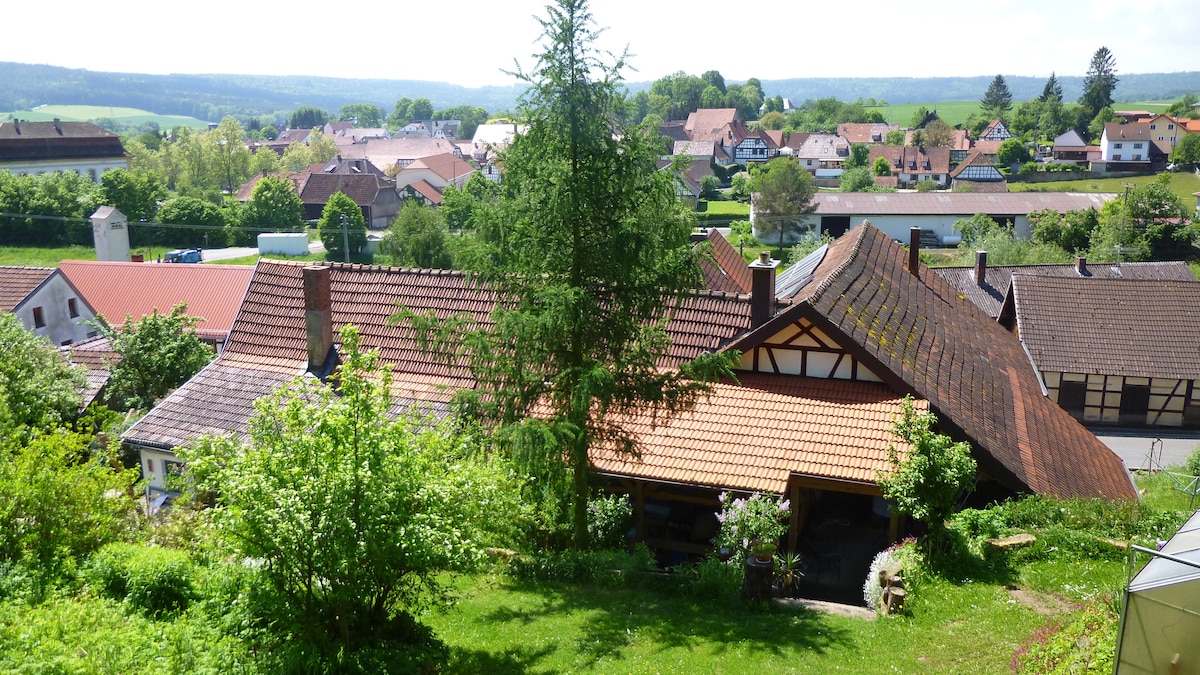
(16, 283)
(907, 159)
(1140, 131)
(289, 136)
(445, 164)
(363, 188)
(920, 335)
(56, 140)
(385, 152)
(96, 355)
(796, 139)
(1130, 327)
(712, 124)
(727, 271)
(866, 132)
(828, 147)
(268, 343)
(990, 296)
(118, 289)
(423, 188)
(754, 434)
(987, 147)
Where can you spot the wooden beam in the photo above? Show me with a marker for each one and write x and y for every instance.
(793, 516)
(834, 485)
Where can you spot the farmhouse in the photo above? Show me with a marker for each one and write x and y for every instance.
(47, 147)
(47, 303)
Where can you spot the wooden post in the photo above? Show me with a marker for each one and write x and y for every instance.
(793, 518)
(756, 585)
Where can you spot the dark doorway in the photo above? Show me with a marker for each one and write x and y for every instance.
(835, 226)
(1135, 402)
(1072, 396)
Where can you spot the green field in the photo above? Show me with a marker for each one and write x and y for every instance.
(1183, 184)
(83, 113)
(952, 113)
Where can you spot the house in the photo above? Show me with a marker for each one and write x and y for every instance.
(757, 146)
(995, 131)
(437, 170)
(712, 151)
(392, 154)
(1165, 132)
(828, 351)
(116, 290)
(913, 165)
(96, 357)
(716, 124)
(977, 174)
(987, 285)
(1132, 147)
(422, 193)
(46, 303)
(724, 268)
(496, 135)
(1069, 148)
(36, 148)
(358, 179)
(440, 128)
(866, 132)
(335, 127)
(1112, 351)
(287, 137)
(989, 149)
(823, 155)
(895, 213)
(689, 179)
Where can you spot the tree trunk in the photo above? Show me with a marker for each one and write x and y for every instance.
(579, 461)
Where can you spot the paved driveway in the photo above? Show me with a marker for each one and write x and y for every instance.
(1132, 445)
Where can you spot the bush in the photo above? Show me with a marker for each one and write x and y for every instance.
(902, 553)
(712, 580)
(1192, 466)
(608, 521)
(747, 522)
(581, 566)
(156, 581)
(1030, 167)
(1084, 643)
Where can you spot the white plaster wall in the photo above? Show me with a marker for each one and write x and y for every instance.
(61, 328)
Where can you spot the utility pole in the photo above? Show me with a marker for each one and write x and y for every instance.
(345, 238)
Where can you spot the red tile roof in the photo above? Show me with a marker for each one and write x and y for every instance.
(754, 434)
(907, 159)
(1130, 327)
(16, 283)
(866, 132)
(96, 355)
(921, 336)
(118, 289)
(727, 271)
(713, 124)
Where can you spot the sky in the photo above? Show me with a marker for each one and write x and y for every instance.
(471, 42)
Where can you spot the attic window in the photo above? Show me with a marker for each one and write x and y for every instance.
(72, 307)
(39, 318)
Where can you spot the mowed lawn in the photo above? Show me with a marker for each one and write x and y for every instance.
(1184, 184)
(952, 113)
(82, 113)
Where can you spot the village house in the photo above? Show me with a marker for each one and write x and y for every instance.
(438, 171)
(374, 193)
(1112, 350)
(47, 303)
(866, 132)
(1132, 147)
(36, 148)
(822, 155)
(828, 351)
(913, 165)
(977, 174)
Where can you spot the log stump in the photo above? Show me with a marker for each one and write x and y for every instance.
(756, 585)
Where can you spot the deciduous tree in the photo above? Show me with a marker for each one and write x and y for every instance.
(229, 155)
(274, 206)
(783, 194)
(158, 353)
(38, 390)
(882, 167)
(206, 219)
(938, 134)
(364, 115)
(342, 220)
(857, 179)
(418, 239)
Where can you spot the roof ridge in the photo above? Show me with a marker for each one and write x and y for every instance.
(820, 288)
(366, 267)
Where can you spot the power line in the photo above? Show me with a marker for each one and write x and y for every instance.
(143, 223)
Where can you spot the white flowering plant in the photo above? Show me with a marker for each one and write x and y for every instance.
(747, 522)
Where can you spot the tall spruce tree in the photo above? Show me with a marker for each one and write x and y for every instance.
(590, 251)
(1053, 89)
(997, 99)
(1100, 81)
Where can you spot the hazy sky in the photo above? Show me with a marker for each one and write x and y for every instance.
(469, 42)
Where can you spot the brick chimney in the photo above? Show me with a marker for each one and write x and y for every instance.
(914, 251)
(1081, 266)
(318, 318)
(981, 268)
(762, 289)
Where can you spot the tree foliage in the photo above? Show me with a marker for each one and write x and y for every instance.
(783, 193)
(364, 115)
(1012, 151)
(418, 239)
(61, 194)
(38, 390)
(927, 481)
(1100, 81)
(859, 155)
(207, 219)
(230, 157)
(341, 212)
(882, 167)
(274, 206)
(158, 352)
(135, 193)
(938, 134)
(307, 117)
(997, 99)
(857, 179)
(1053, 90)
(352, 513)
(1187, 150)
(593, 252)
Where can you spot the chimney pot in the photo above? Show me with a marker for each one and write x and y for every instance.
(914, 251)
(981, 268)
(318, 316)
(1081, 266)
(762, 289)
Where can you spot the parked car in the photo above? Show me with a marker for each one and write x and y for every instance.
(182, 255)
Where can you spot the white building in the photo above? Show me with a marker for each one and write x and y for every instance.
(36, 148)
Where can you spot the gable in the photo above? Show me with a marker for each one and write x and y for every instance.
(802, 347)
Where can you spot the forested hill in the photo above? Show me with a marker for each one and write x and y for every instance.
(210, 97)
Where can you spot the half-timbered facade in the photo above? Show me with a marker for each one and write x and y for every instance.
(995, 131)
(1112, 351)
(758, 146)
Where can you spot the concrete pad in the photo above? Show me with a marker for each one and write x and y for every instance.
(851, 611)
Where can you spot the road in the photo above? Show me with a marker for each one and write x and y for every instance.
(1132, 445)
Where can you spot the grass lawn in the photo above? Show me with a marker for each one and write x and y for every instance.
(21, 256)
(1183, 184)
(80, 113)
(729, 208)
(952, 112)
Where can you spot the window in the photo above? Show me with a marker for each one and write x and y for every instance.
(1153, 127)
(72, 307)
(39, 318)
(1137, 158)
(1137, 146)
(1135, 403)
(150, 466)
(1071, 396)
(1116, 158)
(1170, 127)
(1117, 146)
(1162, 138)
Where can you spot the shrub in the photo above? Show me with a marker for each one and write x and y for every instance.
(748, 521)
(1192, 466)
(904, 554)
(581, 566)
(608, 521)
(712, 580)
(156, 581)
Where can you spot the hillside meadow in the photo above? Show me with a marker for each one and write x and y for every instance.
(83, 113)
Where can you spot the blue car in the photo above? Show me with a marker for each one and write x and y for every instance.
(182, 255)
